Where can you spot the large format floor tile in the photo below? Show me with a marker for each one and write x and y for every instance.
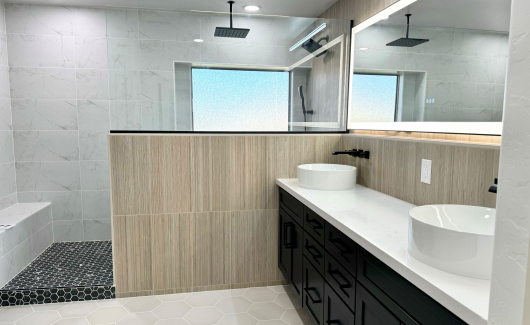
(253, 306)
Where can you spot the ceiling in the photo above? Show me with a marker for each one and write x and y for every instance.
(295, 8)
(492, 15)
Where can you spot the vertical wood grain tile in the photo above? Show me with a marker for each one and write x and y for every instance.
(324, 146)
(442, 173)
(221, 178)
(164, 239)
(170, 174)
(349, 143)
(255, 187)
(371, 169)
(201, 169)
(219, 251)
(234, 185)
(185, 251)
(130, 177)
(398, 175)
(278, 166)
(138, 229)
(119, 253)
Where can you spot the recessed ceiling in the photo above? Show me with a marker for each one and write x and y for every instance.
(295, 8)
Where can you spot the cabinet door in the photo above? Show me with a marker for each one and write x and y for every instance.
(297, 268)
(335, 310)
(369, 311)
(313, 293)
(285, 244)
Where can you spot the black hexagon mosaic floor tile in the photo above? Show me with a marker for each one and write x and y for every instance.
(69, 271)
(68, 264)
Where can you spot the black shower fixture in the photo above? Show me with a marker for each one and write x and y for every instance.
(407, 42)
(231, 31)
(312, 46)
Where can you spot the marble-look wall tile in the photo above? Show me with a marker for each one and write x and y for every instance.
(478, 43)
(3, 49)
(380, 60)
(3, 18)
(46, 146)
(122, 23)
(93, 145)
(6, 147)
(38, 19)
(89, 22)
(41, 240)
(165, 25)
(160, 55)
(440, 40)
(94, 175)
(48, 51)
(499, 97)
(274, 56)
(158, 116)
(157, 86)
(123, 54)
(92, 84)
(7, 175)
(473, 69)
(96, 205)
(65, 205)
(37, 114)
(7, 201)
(229, 53)
(472, 95)
(439, 92)
(42, 83)
(47, 176)
(67, 230)
(376, 37)
(91, 53)
(438, 67)
(5, 114)
(124, 85)
(125, 115)
(97, 229)
(500, 76)
(93, 115)
(5, 84)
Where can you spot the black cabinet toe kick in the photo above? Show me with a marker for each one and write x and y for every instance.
(338, 282)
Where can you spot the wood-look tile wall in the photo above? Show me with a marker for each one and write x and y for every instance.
(192, 213)
(461, 174)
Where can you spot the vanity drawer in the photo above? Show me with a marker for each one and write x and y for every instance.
(340, 280)
(314, 225)
(294, 207)
(314, 252)
(342, 248)
(335, 310)
(392, 289)
(313, 295)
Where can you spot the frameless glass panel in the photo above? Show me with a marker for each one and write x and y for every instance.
(373, 98)
(238, 100)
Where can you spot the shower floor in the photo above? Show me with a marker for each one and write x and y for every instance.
(69, 271)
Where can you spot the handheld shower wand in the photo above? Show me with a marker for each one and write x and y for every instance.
(304, 111)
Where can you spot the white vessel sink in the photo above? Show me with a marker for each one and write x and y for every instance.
(453, 238)
(327, 177)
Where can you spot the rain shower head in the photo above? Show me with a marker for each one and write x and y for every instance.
(231, 31)
(407, 42)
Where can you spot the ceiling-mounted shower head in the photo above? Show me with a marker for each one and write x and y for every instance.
(407, 42)
(231, 31)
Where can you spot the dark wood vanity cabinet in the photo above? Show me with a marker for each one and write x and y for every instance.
(337, 282)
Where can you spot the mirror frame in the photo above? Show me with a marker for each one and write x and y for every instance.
(483, 128)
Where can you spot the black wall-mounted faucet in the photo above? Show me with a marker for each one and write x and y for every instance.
(493, 188)
(353, 153)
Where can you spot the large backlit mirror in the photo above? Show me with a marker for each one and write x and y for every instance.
(431, 66)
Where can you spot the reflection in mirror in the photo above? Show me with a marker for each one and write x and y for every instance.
(456, 73)
(286, 75)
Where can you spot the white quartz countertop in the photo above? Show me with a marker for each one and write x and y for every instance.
(379, 223)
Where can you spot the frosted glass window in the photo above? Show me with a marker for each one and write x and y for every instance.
(373, 98)
(240, 100)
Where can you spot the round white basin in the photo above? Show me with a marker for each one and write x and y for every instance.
(453, 238)
(327, 177)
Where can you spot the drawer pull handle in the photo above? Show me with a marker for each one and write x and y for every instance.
(315, 301)
(287, 231)
(330, 322)
(346, 283)
(314, 255)
(335, 243)
(313, 224)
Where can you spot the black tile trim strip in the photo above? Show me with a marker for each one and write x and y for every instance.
(55, 295)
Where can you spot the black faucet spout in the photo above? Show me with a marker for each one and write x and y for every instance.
(347, 152)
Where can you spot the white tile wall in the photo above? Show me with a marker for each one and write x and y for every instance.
(465, 68)
(8, 195)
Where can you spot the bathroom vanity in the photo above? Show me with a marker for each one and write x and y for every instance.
(344, 256)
